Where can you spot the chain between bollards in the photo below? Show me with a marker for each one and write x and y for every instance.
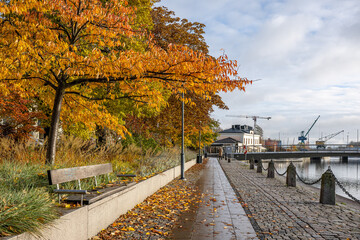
(345, 191)
(265, 169)
(307, 183)
(327, 179)
(281, 174)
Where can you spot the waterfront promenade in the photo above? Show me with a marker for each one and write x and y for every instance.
(280, 212)
(220, 214)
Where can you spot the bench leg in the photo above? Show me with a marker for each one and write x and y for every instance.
(59, 195)
(82, 200)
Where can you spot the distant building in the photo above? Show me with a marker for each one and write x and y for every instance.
(272, 145)
(238, 138)
(228, 144)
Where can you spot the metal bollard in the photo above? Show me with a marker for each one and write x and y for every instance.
(259, 167)
(291, 175)
(327, 191)
(271, 169)
(251, 163)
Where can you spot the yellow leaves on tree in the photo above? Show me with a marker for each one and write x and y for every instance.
(72, 54)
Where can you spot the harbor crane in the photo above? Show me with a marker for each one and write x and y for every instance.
(253, 118)
(303, 137)
(320, 143)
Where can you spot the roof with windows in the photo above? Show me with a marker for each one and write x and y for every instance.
(238, 129)
(224, 141)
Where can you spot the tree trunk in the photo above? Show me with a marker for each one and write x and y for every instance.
(54, 127)
(101, 135)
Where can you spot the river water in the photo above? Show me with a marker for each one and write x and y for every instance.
(348, 173)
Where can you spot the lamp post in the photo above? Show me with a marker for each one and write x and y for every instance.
(182, 160)
(199, 142)
(254, 134)
(199, 157)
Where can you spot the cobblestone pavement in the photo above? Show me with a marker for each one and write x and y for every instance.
(280, 212)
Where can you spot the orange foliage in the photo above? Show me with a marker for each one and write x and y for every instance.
(18, 116)
(73, 52)
(170, 29)
(166, 126)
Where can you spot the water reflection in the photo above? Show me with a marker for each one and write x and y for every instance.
(347, 172)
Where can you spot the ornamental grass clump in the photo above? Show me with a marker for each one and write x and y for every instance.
(25, 203)
(162, 161)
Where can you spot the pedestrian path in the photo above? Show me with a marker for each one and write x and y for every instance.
(220, 214)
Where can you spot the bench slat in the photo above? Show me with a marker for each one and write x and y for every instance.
(70, 191)
(126, 175)
(69, 174)
(94, 197)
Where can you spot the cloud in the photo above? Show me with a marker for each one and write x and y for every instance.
(306, 52)
(280, 37)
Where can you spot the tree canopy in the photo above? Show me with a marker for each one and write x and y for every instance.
(169, 29)
(74, 56)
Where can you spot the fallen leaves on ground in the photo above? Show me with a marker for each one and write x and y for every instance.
(154, 218)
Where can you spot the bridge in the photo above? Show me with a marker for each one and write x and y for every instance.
(312, 154)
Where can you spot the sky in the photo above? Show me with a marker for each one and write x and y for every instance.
(306, 54)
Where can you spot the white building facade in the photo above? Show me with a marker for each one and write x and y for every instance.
(247, 140)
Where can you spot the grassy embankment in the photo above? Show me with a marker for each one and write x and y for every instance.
(26, 201)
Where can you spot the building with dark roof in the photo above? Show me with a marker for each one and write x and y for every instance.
(238, 138)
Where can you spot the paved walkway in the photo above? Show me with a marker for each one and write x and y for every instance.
(280, 212)
(220, 214)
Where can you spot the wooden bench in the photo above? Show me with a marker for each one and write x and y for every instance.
(64, 175)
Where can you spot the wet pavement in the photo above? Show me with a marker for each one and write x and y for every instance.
(281, 212)
(219, 215)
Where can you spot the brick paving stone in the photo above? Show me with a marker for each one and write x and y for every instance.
(282, 212)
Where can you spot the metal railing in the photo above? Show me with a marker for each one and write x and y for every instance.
(313, 147)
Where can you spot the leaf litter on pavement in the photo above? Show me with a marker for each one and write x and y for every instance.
(155, 217)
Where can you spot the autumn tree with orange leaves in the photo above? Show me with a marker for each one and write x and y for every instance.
(73, 56)
(18, 116)
(165, 127)
(171, 29)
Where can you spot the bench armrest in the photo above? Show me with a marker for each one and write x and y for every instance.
(125, 175)
(69, 191)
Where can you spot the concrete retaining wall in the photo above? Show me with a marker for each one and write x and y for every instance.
(86, 222)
